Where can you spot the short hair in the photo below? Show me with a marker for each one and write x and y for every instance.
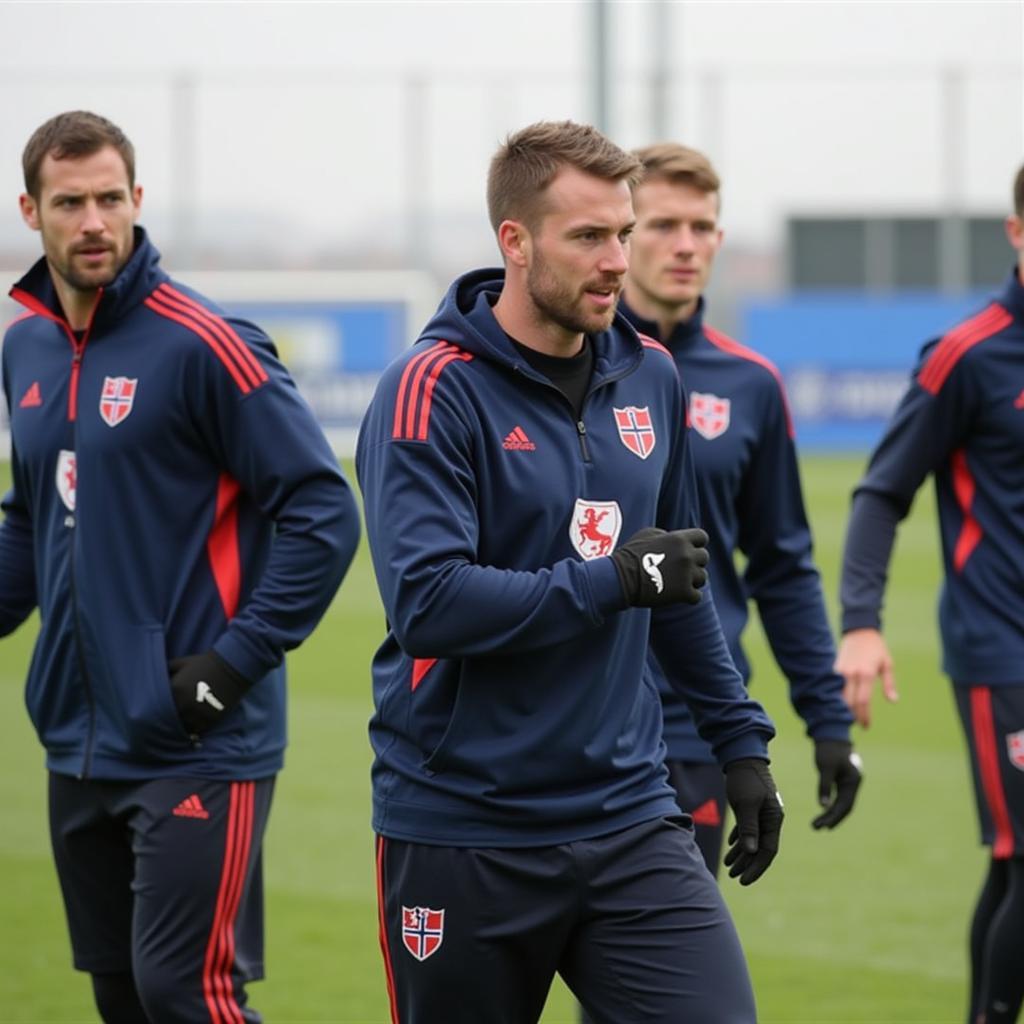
(528, 161)
(70, 136)
(1018, 193)
(679, 165)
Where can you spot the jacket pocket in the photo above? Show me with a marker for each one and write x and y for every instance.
(153, 722)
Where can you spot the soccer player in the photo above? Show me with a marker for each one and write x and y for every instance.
(962, 420)
(530, 504)
(743, 451)
(179, 520)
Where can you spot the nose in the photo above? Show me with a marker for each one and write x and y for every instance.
(92, 222)
(684, 240)
(615, 258)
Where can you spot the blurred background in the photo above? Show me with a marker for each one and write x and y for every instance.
(866, 149)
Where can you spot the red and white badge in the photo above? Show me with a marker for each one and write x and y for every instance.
(636, 431)
(67, 478)
(117, 399)
(1015, 748)
(594, 529)
(709, 414)
(422, 931)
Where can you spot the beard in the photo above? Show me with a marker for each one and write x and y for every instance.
(561, 304)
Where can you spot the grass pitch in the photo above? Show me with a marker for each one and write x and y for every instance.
(866, 924)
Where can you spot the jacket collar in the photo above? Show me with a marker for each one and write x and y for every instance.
(684, 334)
(136, 280)
(1011, 297)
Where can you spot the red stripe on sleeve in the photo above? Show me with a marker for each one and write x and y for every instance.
(244, 355)
(222, 545)
(957, 343)
(187, 320)
(656, 345)
(428, 391)
(382, 932)
(727, 344)
(420, 667)
(404, 385)
(985, 743)
(970, 531)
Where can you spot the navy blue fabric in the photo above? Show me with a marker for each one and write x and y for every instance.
(124, 582)
(633, 922)
(700, 793)
(745, 461)
(145, 867)
(514, 706)
(1007, 722)
(965, 426)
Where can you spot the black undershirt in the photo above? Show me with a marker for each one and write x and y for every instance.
(570, 374)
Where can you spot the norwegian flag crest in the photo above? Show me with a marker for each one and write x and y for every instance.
(636, 431)
(1015, 748)
(709, 414)
(117, 398)
(422, 931)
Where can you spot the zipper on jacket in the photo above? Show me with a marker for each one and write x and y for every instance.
(581, 431)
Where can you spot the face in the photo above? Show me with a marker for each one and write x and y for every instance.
(674, 247)
(85, 212)
(576, 259)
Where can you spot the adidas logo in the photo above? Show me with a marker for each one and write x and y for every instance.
(517, 441)
(706, 814)
(191, 807)
(32, 397)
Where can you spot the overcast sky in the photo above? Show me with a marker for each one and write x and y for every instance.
(375, 121)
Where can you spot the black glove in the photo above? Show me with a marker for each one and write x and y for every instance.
(205, 688)
(839, 768)
(657, 568)
(755, 801)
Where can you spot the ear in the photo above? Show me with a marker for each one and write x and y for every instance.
(1015, 232)
(29, 210)
(514, 242)
(136, 201)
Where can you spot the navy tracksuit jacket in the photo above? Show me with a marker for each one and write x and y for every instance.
(514, 702)
(172, 492)
(962, 420)
(744, 456)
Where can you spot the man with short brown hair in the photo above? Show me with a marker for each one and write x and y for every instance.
(524, 819)
(180, 522)
(745, 462)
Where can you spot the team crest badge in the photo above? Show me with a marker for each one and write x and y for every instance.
(595, 527)
(709, 414)
(116, 399)
(1015, 748)
(635, 429)
(422, 931)
(67, 478)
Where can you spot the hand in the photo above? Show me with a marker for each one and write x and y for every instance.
(863, 658)
(205, 688)
(657, 567)
(756, 802)
(839, 768)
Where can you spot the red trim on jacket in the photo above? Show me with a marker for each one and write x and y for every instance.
(210, 330)
(958, 342)
(382, 932)
(222, 545)
(727, 344)
(77, 347)
(413, 392)
(985, 743)
(970, 531)
(218, 989)
(420, 667)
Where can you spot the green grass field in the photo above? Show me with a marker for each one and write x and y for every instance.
(865, 924)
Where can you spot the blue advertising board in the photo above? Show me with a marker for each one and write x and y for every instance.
(846, 358)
